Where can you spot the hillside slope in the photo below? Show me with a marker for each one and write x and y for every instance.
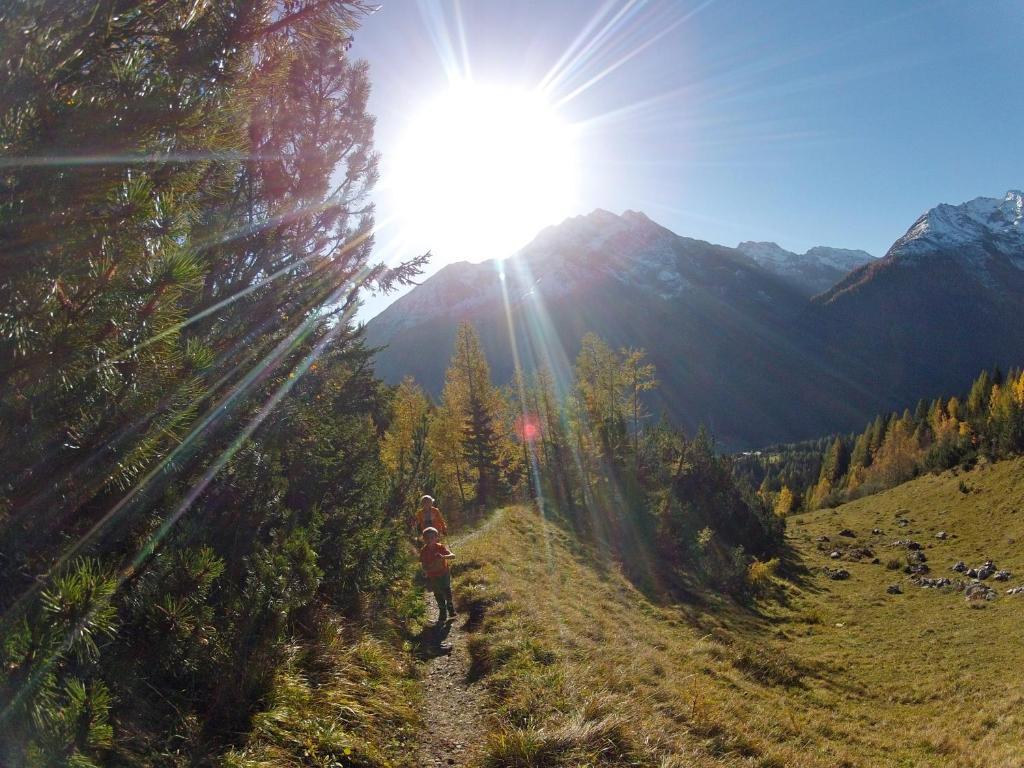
(583, 668)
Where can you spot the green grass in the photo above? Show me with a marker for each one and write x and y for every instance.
(586, 670)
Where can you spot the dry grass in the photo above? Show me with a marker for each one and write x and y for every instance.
(337, 704)
(585, 670)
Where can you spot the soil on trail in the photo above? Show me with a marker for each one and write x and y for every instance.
(454, 725)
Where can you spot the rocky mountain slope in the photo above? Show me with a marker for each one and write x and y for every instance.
(812, 272)
(947, 299)
(737, 340)
(721, 329)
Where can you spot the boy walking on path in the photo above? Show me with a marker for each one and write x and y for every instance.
(434, 557)
(429, 516)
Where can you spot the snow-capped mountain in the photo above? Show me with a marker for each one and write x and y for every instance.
(945, 301)
(982, 239)
(812, 272)
(737, 342)
(975, 229)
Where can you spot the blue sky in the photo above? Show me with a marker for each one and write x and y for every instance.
(807, 123)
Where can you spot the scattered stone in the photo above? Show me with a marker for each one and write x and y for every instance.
(837, 574)
(823, 538)
(1016, 590)
(934, 583)
(976, 591)
(894, 589)
(859, 553)
(941, 535)
(908, 543)
(903, 522)
(959, 566)
(876, 531)
(834, 554)
(916, 556)
(1001, 575)
(848, 533)
(986, 570)
(875, 561)
(917, 568)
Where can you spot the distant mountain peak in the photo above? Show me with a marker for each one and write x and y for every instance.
(815, 271)
(974, 229)
(764, 250)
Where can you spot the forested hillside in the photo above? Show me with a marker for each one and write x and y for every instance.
(721, 329)
(986, 422)
(589, 452)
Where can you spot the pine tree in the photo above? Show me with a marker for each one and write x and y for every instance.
(475, 403)
(876, 435)
(166, 292)
(860, 456)
(836, 462)
(977, 400)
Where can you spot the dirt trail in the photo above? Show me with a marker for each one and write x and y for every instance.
(455, 728)
(455, 720)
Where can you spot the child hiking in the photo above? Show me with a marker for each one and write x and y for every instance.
(429, 516)
(434, 557)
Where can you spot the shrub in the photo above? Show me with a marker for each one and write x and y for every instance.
(760, 574)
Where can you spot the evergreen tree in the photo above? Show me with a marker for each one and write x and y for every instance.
(473, 400)
(977, 400)
(876, 434)
(176, 346)
(860, 456)
(836, 462)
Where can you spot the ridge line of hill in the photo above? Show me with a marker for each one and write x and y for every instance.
(581, 668)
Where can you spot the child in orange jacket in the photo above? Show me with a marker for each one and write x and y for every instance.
(434, 557)
(429, 516)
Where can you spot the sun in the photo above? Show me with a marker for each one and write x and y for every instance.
(480, 170)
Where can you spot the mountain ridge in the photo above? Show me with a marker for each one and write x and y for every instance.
(752, 353)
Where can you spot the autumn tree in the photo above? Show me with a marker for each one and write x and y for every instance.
(785, 502)
(638, 376)
(405, 451)
(471, 431)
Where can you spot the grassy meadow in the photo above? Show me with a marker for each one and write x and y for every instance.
(583, 668)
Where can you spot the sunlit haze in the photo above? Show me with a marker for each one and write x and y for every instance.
(480, 169)
(800, 123)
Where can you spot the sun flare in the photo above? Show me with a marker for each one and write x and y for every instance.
(481, 169)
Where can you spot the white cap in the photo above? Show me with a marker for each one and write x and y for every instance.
(426, 498)
(430, 529)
